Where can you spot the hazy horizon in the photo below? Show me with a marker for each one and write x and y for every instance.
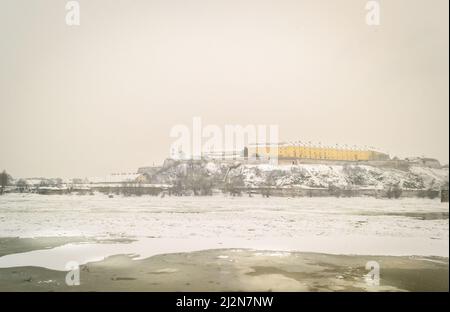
(102, 97)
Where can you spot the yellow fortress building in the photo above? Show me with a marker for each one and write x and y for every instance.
(313, 152)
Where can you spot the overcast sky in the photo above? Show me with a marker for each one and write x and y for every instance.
(102, 97)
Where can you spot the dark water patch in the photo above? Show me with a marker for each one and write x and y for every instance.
(123, 278)
(416, 279)
(415, 215)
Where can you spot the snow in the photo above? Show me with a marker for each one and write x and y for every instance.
(176, 224)
(347, 176)
(116, 178)
(430, 174)
(360, 176)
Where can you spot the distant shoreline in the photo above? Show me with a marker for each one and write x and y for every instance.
(288, 191)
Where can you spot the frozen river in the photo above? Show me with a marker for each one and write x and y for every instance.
(366, 226)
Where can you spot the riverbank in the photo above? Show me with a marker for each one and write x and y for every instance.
(237, 270)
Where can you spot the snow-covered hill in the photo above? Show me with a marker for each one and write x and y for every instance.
(307, 175)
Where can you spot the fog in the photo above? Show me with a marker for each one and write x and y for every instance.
(103, 96)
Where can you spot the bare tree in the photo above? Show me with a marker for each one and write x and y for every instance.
(234, 184)
(21, 185)
(4, 180)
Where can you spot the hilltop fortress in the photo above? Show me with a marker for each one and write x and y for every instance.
(298, 151)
